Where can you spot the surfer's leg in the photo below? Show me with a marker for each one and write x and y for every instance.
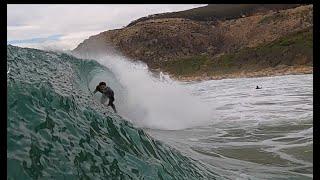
(111, 99)
(114, 108)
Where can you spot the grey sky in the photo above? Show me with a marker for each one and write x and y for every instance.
(70, 24)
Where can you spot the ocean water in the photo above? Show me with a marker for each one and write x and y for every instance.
(254, 134)
(223, 129)
(56, 129)
(237, 131)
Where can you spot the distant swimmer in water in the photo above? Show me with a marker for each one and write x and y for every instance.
(107, 92)
(258, 87)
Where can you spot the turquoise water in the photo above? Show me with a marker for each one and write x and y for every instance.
(57, 130)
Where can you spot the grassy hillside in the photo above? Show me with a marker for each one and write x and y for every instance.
(294, 49)
(213, 12)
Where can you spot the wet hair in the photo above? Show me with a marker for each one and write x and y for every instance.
(102, 83)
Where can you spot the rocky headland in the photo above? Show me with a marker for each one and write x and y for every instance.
(204, 43)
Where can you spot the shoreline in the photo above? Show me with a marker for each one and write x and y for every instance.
(268, 72)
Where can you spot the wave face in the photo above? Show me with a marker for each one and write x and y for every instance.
(57, 130)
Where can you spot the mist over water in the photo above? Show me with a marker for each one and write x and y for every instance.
(155, 102)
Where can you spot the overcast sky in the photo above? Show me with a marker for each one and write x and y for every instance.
(65, 26)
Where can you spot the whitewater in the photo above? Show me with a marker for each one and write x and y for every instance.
(220, 129)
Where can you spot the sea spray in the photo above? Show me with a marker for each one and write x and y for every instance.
(153, 102)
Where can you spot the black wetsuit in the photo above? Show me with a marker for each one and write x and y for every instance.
(107, 92)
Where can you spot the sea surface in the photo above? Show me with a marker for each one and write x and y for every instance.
(220, 129)
(255, 133)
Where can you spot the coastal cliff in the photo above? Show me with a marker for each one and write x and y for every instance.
(262, 42)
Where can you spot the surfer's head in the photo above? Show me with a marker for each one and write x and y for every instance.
(102, 84)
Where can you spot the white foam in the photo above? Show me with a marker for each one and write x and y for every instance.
(158, 103)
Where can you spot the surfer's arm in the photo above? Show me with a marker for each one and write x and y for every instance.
(94, 92)
(97, 89)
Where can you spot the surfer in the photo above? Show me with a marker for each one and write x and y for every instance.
(107, 92)
(258, 87)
